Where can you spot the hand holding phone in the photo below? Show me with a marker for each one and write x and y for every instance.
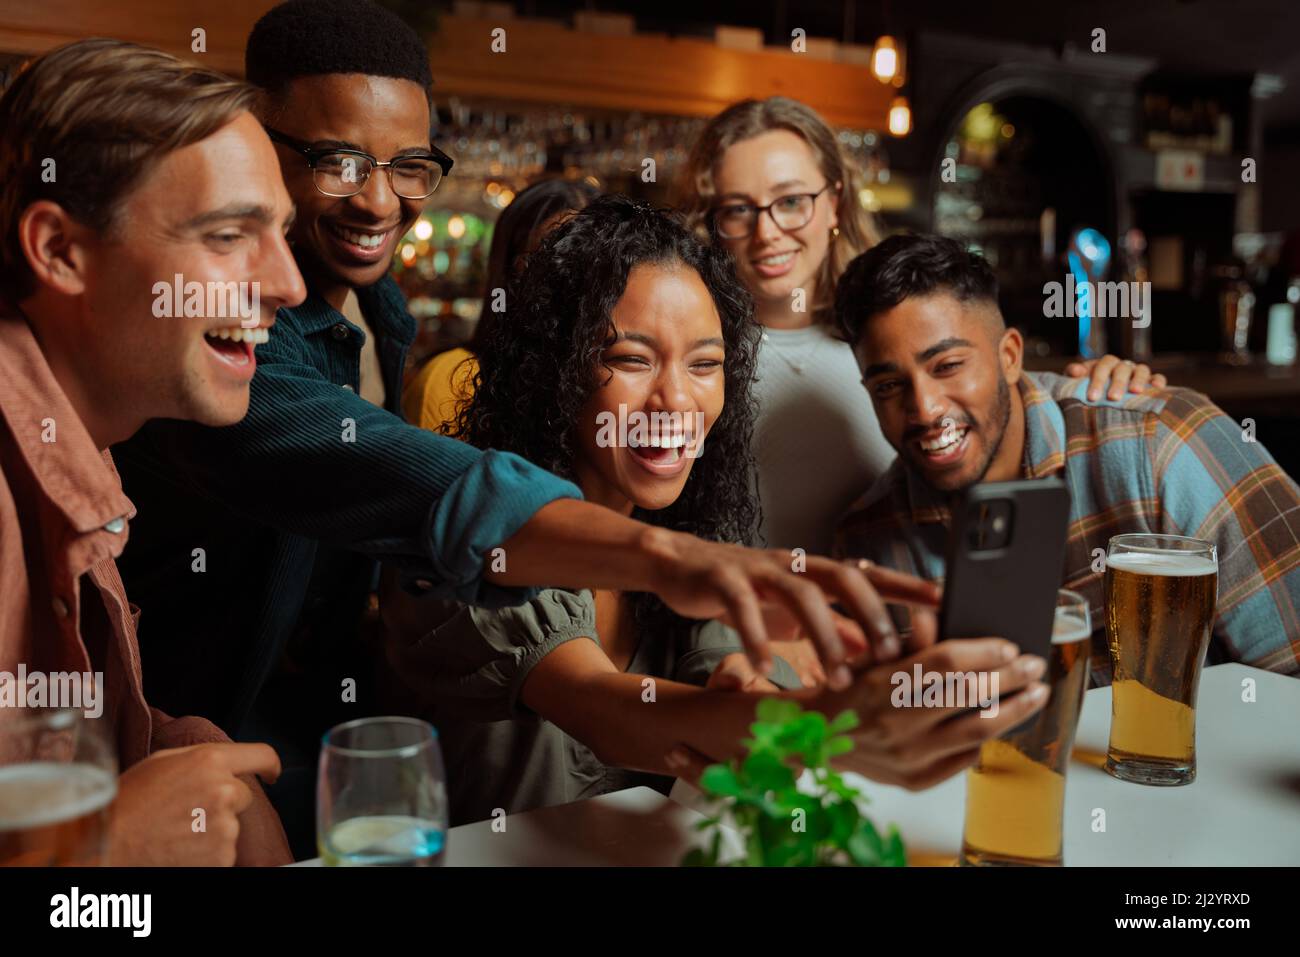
(1006, 550)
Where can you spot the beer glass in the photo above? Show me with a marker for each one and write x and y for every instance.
(381, 797)
(1015, 793)
(1160, 604)
(58, 776)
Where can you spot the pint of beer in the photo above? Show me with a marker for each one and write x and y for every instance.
(57, 778)
(1015, 794)
(1160, 606)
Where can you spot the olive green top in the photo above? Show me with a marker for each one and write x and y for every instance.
(466, 675)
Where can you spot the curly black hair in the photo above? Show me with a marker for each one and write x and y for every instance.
(313, 37)
(536, 368)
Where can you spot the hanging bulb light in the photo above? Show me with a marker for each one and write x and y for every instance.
(884, 59)
(900, 117)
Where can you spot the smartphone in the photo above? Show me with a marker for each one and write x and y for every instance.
(1005, 554)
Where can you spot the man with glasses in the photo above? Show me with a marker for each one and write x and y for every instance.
(360, 238)
(254, 551)
(344, 170)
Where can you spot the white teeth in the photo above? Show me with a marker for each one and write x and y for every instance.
(365, 240)
(256, 336)
(660, 442)
(948, 439)
(779, 259)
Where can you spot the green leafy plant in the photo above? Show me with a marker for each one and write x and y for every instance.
(781, 825)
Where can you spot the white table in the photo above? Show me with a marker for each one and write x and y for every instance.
(1242, 809)
(637, 827)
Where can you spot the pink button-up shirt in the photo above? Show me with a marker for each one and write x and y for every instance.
(63, 608)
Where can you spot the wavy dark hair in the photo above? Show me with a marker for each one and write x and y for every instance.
(536, 371)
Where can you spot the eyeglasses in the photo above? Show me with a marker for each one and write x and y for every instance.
(739, 220)
(344, 172)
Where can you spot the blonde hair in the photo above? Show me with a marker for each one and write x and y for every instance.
(104, 111)
(749, 118)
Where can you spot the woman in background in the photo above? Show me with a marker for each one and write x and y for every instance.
(768, 181)
(433, 396)
(620, 306)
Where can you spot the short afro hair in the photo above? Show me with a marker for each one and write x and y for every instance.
(315, 37)
(905, 266)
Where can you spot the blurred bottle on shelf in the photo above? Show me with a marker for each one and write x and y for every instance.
(1236, 310)
(1134, 332)
(1281, 348)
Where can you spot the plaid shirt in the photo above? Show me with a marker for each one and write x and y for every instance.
(1167, 462)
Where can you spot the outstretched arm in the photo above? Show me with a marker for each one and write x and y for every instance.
(575, 544)
(579, 689)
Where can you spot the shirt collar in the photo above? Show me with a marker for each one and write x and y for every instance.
(75, 477)
(383, 304)
(1044, 431)
(313, 314)
(1044, 455)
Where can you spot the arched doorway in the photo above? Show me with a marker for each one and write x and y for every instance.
(1019, 173)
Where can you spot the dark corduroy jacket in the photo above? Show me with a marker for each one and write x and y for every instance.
(248, 535)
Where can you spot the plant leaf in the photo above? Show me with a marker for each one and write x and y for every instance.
(844, 721)
(862, 851)
(767, 772)
(895, 855)
(836, 785)
(838, 745)
(868, 832)
(777, 710)
(695, 857)
(779, 824)
(720, 779)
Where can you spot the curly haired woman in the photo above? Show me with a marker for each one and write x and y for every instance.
(623, 316)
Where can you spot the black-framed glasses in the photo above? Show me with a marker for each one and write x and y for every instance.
(739, 220)
(345, 172)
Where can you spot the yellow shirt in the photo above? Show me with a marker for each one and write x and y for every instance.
(433, 398)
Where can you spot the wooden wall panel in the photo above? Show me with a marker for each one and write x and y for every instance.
(34, 26)
(547, 63)
(543, 63)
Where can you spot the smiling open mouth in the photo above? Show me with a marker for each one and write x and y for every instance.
(365, 241)
(662, 454)
(775, 265)
(945, 448)
(234, 344)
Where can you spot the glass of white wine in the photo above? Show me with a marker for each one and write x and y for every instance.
(381, 795)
